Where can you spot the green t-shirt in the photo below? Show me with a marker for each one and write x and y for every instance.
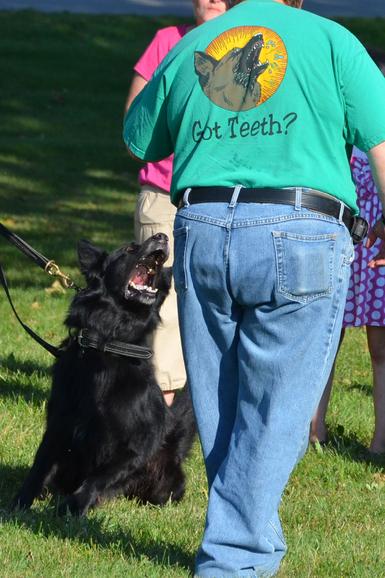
(264, 96)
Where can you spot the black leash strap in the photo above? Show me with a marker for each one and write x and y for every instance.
(51, 348)
(84, 339)
(48, 265)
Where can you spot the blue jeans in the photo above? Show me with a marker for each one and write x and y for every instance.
(261, 292)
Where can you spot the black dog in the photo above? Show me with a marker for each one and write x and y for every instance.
(108, 430)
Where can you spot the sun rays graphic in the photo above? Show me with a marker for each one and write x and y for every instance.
(273, 51)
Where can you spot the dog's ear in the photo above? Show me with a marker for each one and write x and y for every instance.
(90, 259)
(133, 247)
(204, 66)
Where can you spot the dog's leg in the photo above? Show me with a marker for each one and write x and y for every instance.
(108, 482)
(168, 481)
(40, 471)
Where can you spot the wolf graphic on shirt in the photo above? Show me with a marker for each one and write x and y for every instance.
(232, 82)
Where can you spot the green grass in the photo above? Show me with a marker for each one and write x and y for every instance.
(64, 174)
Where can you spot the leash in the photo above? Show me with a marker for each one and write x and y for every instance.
(84, 339)
(55, 351)
(48, 265)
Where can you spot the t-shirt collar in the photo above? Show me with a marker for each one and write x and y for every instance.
(263, 1)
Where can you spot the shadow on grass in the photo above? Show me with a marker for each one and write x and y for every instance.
(21, 385)
(365, 388)
(32, 395)
(349, 446)
(28, 367)
(63, 162)
(11, 478)
(88, 530)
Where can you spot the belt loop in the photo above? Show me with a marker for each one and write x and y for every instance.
(186, 196)
(235, 195)
(341, 214)
(298, 198)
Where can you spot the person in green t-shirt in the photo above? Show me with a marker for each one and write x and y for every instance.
(260, 107)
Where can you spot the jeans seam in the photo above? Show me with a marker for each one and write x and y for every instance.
(279, 535)
(226, 252)
(203, 219)
(285, 218)
(182, 232)
(333, 318)
(257, 222)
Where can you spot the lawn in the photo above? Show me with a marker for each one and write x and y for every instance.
(64, 175)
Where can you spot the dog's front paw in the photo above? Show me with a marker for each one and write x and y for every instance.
(72, 506)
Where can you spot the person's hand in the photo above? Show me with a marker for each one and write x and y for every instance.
(377, 232)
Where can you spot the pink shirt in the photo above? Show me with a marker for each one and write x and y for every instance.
(160, 173)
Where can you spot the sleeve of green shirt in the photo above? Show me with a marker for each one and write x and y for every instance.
(363, 88)
(146, 132)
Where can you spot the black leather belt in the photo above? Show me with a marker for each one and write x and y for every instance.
(310, 199)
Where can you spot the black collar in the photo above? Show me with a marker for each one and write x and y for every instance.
(89, 340)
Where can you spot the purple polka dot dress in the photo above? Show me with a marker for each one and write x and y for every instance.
(365, 303)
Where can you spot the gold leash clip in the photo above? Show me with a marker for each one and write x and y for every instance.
(53, 269)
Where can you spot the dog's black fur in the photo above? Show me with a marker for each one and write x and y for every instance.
(108, 429)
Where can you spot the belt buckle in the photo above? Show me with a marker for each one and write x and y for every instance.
(81, 339)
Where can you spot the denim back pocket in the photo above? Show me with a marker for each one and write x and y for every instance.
(305, 265)
(179, 267)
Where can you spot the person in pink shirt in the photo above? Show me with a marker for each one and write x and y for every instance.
(154, 212)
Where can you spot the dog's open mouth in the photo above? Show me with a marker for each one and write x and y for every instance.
(250, 67)
(145, 275)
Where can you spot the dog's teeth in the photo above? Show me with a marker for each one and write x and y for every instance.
(150, 289)
(142, 287)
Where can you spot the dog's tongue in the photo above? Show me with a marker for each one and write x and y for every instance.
(140, 277)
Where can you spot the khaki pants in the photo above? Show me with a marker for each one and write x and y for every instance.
(155, 214)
